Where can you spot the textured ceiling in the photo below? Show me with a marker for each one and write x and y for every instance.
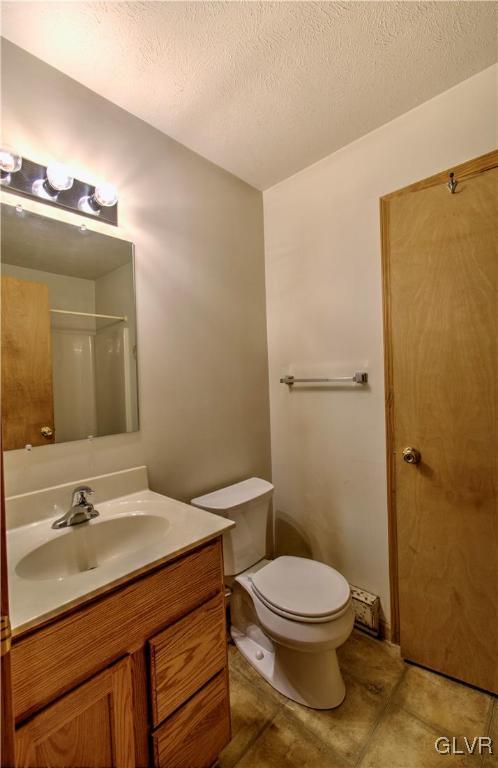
(261, 88)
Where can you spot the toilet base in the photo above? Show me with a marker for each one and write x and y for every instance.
(311, 679)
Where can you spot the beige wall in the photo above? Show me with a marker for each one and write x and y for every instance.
(324, 317)
(198, 231)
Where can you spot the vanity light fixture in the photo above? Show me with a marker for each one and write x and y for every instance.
(53, 184)
(10, 162)
(57, 179)
(104, 196)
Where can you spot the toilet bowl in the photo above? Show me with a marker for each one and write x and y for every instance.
(290, 640)
(288, 615)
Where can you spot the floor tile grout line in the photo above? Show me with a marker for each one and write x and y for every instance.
(361, 681)
(379, 720)
(494, 705)
(255, 739)
(323, 746)
(436, 727)
(253, 742)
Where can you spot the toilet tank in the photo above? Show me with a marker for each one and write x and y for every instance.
(248, 504)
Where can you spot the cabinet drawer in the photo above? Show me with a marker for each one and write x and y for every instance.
(195, 735)
(186, 655)
(58, 656)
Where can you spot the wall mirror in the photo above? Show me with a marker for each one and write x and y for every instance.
(68, 335)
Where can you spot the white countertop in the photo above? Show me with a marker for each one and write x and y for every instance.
(34, 600)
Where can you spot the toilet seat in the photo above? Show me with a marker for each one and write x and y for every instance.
(302, 590)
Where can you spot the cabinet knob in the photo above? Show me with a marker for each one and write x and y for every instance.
(47, 432)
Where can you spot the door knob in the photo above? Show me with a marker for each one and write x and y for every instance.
(47, 432)
(411, 455)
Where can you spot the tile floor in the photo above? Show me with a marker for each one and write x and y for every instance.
(392, 714)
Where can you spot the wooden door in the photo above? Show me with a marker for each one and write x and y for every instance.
(441, 266)
(92, 726)
(27, 396)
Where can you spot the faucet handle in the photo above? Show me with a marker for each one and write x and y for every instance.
(80, 494)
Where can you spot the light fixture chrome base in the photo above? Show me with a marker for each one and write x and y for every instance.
(31, 178)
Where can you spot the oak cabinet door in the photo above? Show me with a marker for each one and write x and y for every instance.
(91, 726)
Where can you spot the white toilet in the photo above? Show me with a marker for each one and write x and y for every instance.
(288, 615)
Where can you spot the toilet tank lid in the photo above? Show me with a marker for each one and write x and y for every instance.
(234, 495)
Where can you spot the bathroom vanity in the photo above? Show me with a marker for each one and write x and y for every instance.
(133, 671)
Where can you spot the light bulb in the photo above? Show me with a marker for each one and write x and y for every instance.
(59, 177)
(106, 195)
(10, 162)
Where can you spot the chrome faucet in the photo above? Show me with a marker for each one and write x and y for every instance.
(81, 510)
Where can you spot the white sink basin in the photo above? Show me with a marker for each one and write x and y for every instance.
(89, 545)
(51, 570)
